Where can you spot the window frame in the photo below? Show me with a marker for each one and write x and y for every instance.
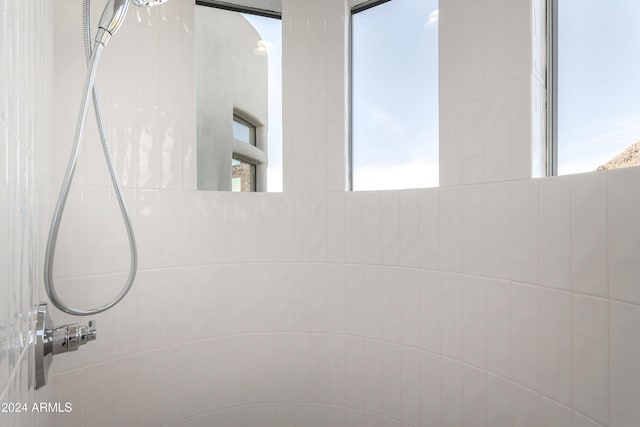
(254, 153)
(354, 10)
(252, 129)
(253, 171)
(551, 82)
(361, 7)
(251, 152)
(267, 13)
(550, 114)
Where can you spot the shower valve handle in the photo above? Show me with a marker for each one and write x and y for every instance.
(70, 337)
(51, 341)
(88, 333)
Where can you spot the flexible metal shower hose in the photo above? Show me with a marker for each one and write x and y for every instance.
(92, 58)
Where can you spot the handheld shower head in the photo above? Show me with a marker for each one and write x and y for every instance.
(112, 18)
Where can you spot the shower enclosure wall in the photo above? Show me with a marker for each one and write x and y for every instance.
(492, 300)
(26, 86)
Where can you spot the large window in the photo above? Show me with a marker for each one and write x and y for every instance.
(394, 100)
(595, 84)
(239, 97)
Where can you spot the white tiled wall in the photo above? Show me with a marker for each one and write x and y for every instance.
(315, 69)
(278, 335)
(495, 300)
(486, 72)
(25, 70)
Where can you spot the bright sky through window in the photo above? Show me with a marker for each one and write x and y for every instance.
(598, 81)
(270, 31)
(395, 96)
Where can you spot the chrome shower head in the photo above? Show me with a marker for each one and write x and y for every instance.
(113, 17)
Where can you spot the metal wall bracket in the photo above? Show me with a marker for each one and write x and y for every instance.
(50, 342)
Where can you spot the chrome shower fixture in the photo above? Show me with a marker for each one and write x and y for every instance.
(51, 341)
(111, 20)
(113, 16)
